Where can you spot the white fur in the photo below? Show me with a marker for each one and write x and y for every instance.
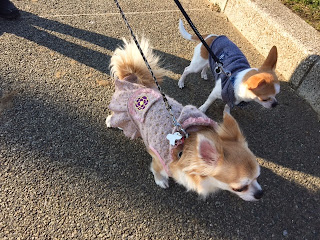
(183, 31)
(254, 187)
(215, 93)
(207, 186)
(182, 178)
(108, 121)
(241, 92)
(277, 87)
(197, 64)
(248, 195)
(211, 185)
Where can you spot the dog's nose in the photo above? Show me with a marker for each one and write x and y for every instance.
(258, 194)
(274, 104)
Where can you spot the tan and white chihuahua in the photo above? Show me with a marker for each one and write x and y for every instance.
(246, 84)
(213, 156)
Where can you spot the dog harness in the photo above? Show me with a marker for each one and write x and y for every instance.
(233, 61)
(140, 112)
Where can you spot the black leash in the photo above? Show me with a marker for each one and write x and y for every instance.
(180, 131)
(219, 67)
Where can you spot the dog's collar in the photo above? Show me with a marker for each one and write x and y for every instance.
(196, 122)
(193, 124)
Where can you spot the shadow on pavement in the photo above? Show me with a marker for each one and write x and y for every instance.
(37, 29)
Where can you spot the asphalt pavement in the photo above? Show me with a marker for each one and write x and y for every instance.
(64, 175)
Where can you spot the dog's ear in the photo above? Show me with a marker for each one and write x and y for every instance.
(271, 60)
(207, 150)
(229, 130)
(256, 82)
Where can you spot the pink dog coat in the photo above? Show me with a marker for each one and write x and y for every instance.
(140, 112)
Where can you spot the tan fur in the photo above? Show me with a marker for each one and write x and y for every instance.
(128, 60)
(271, 60)
(239, 161)
(235, 162)
(156, 164)
(203, 51)
(195, 37)
(229, 130)
(262, 84)
(262, 81)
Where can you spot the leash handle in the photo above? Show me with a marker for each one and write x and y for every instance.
(219, 63)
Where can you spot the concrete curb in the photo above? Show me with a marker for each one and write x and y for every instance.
(268, 23)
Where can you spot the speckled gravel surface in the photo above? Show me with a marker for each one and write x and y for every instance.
(64, 175)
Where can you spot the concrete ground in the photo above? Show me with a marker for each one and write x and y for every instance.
(64, 175)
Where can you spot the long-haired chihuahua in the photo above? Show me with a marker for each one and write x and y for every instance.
(212, 157)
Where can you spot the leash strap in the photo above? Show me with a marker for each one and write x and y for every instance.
(168, 106)
(219, 67)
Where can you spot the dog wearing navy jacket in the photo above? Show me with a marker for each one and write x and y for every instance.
(245, 84)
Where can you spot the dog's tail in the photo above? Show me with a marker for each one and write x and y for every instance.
(127, 61)
(184, 32)
(194, 37)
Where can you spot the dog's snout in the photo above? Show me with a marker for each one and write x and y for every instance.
(274, 104)
(258, 194)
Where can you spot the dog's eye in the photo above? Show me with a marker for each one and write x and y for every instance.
(244, 188)
(266, 100)
(179, 154)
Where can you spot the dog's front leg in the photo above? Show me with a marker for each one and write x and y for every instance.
(197, 64)
(108, 121)
(204, 72)
(183, 76)
(216, 93)
(227, 108)
(160, 176)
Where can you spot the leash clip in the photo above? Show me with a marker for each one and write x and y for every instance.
(179, 128)
(219, 69)
(178, 135)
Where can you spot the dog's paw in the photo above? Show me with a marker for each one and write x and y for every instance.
(203, 108)
(108, 121)
(227, 108)
(181, 84)
(161, 178)
(162, 182)
(204, 76)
